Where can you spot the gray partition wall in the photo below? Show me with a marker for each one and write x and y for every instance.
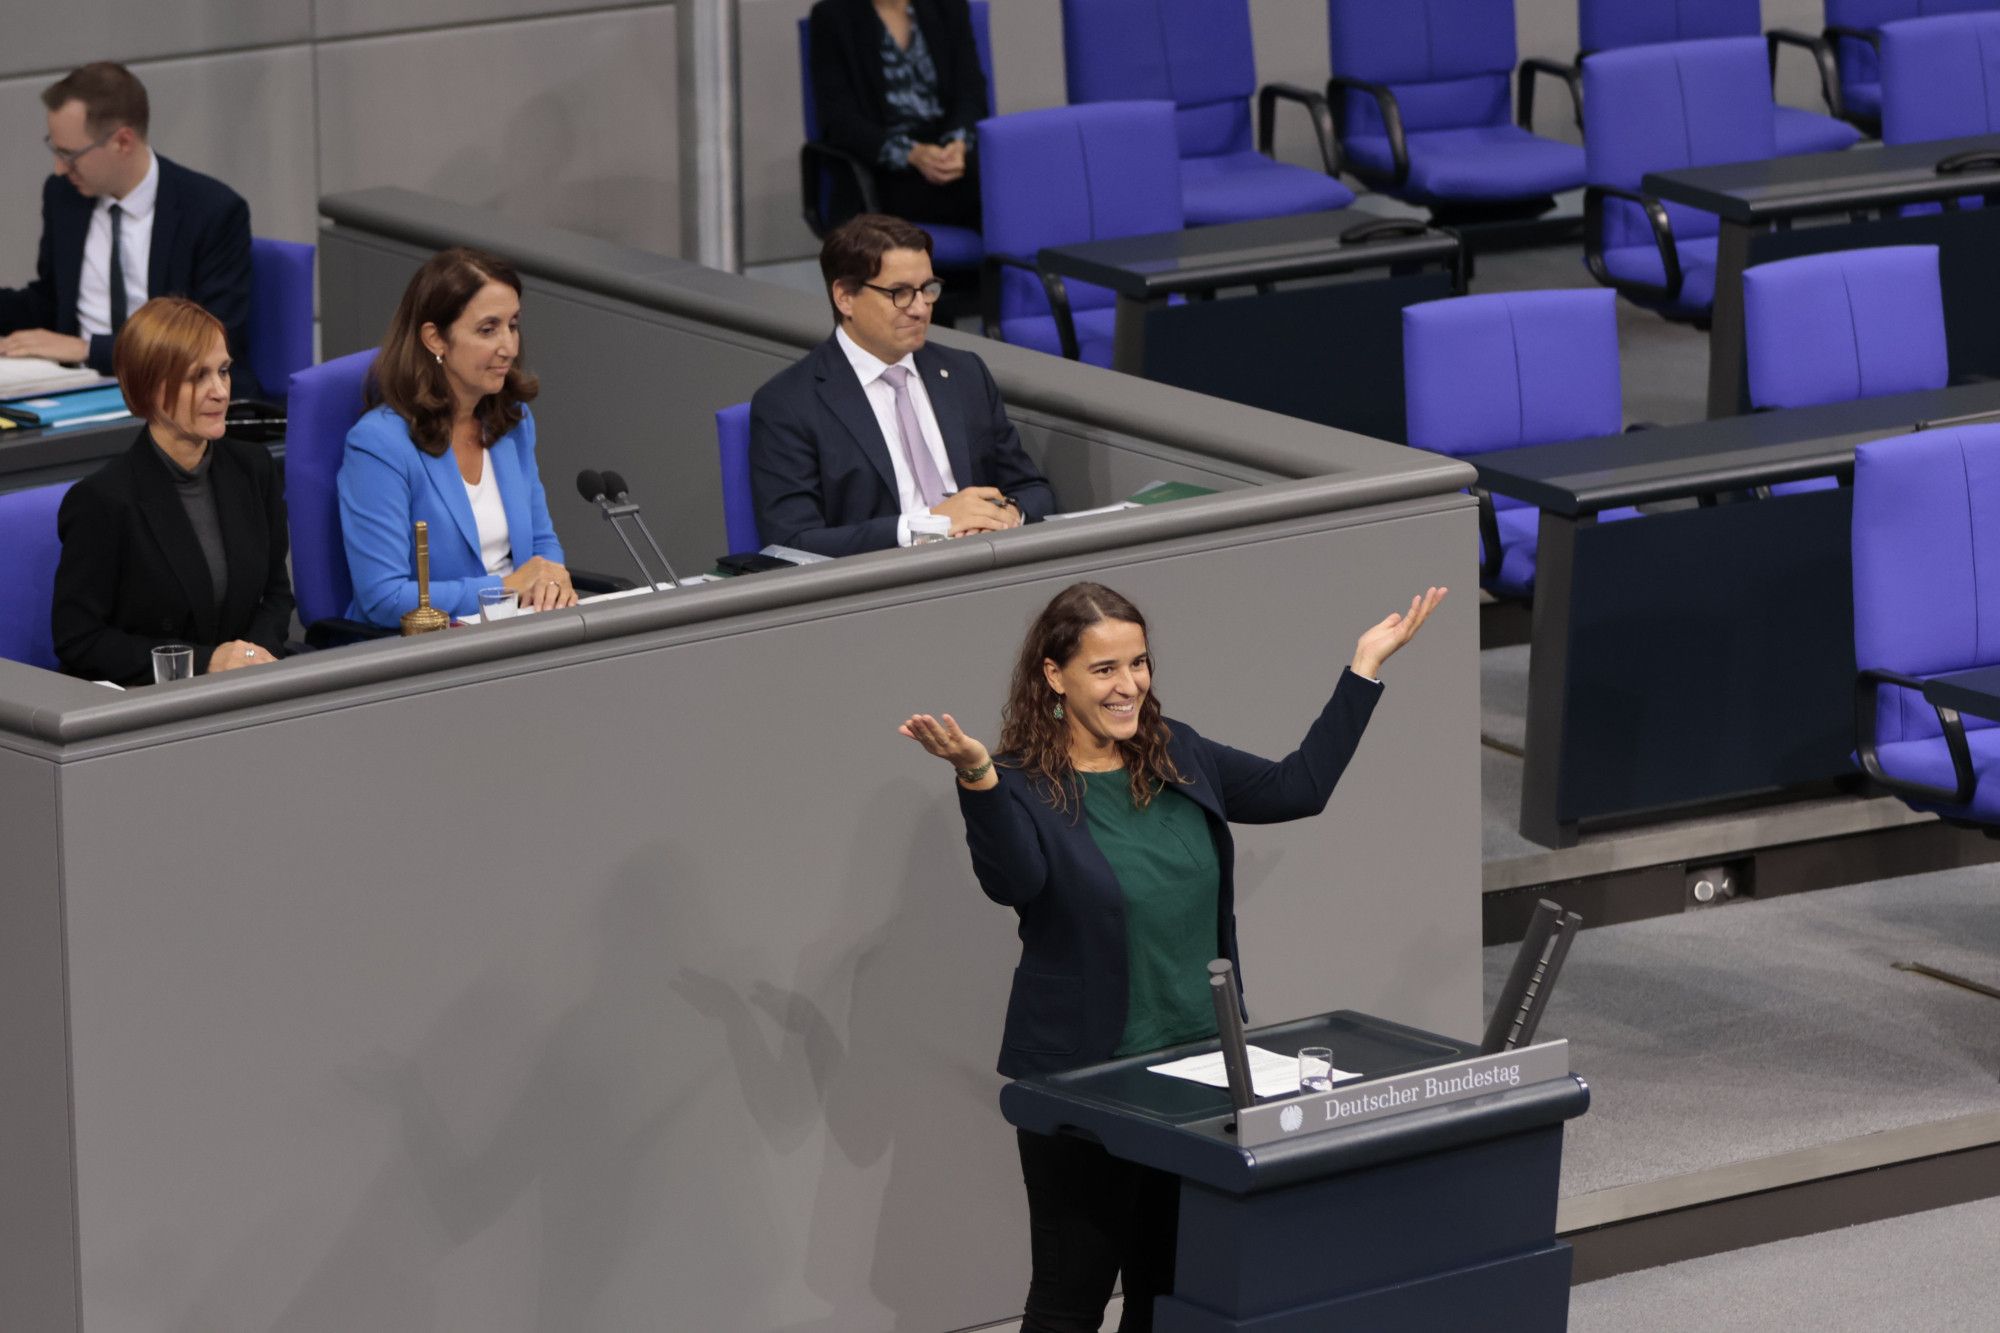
(623, 968)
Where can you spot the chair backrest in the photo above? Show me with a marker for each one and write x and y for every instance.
(1830, 328)
(325, 403)
(1067, 174)
(1683, 104)
(1940, 77)
(1197, 54)
(1926, 587)
(1448, 61)
(281, 312)
(31, 548)
(739, 507)
(1607, 25)
(1511, 368)
(981, 38)
(1857, 59)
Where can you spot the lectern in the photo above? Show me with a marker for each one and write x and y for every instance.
(1420, 1195)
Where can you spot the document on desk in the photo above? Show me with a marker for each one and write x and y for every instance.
(1091, 513)
(1271, 1074)
(21, 376)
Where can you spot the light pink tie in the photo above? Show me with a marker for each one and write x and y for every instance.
(916, 454)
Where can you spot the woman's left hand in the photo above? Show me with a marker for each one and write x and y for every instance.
(551, 589)
(1381, 641)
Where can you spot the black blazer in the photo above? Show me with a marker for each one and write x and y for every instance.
(820, 471)
(1067, 1008)
(850, 95)
(132, 577)
(201, 250)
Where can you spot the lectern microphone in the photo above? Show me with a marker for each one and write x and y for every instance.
(593, 486)
(1526, 995)
(1229, 1027)
(621, 500)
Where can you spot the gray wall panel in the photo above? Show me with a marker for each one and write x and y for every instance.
(564, 1010)
(353, 18)
(568, 121)
(49, 39)
(38, 1256)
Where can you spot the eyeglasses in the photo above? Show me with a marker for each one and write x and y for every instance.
(68, 156)
(901, 297)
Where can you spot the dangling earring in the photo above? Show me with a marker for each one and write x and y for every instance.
(1056, 712)
(438, 357)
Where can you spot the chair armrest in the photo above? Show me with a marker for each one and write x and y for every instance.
(336, 632)
(1316, 107)
(1052, 286)
(1392, 119)
(1822, 54)
(1837, 32)
(1571, 76)
(1489, 536)
(590, 583)
(815, 157)
(1663, 236)
(1638, 426)
(1865, 686)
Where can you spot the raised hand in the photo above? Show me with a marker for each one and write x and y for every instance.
(1381, 640)
(943, 738)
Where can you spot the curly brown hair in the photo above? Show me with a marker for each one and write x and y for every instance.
(1036, 741)
(412, 382)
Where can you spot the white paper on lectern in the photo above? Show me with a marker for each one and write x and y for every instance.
(1271, 1074)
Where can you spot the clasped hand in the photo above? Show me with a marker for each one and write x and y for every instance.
(939, 163)
(977, 509)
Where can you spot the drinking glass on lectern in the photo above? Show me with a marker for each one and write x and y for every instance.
(1316, 1069)
(498, 604)
(172, 661)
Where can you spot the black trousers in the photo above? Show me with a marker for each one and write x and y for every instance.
(1092, 1217)
(907, 195)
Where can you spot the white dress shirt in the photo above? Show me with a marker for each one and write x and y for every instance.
(868, 369)
(489, 515)
(135, 253)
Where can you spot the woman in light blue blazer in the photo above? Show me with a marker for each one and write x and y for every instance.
(449, 439)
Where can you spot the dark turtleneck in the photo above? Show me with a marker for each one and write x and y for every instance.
(197, 492)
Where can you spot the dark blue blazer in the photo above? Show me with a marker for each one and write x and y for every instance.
(820, 471)
(201, 250)
(1067, 1008)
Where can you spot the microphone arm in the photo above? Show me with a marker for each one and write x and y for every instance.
(615, 485)
(590, 485)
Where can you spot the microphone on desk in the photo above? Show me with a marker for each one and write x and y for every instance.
(621, 499)
(590, 484)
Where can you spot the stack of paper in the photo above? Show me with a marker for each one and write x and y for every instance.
(21, 376)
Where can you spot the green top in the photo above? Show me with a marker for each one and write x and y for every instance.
(1164, 859)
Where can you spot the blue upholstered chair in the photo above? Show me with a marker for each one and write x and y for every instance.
(1198, 55)
(1657, 108)
(826, 174)
(326, 401)
(1611, 25)
(1499, 371)
(1855, 29)
(31, 547)
(1848, 324)
(1420, 92)
(1057, 177)
(739, 508)
(1940, 77)
(281, 312)
(1923, 591)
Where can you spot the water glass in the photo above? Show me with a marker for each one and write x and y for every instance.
(927, 528)
(1316, 1069)
(498, 604)
(172, 661)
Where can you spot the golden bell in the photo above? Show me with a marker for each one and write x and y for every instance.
(425, 617)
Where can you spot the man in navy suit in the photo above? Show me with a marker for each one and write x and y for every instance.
(875, 427)
(120, 225)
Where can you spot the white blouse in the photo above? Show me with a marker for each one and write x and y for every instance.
(495, 548)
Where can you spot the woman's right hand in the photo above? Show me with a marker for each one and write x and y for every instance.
(943, 738)
(237, 653)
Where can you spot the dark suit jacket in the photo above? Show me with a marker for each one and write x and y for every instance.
(131, 576)
(1067, 1008)
(820, 471)
(201, 250)
(849, 92)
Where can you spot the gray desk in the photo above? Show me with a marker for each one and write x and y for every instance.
(1758, 202)
(562, 973)
(1703, 654)
(1976, 692)
(1330, 353)
(38, 457)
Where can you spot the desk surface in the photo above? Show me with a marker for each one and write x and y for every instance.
(1827, 182)
(1731, 453)
(1976, 692)
(37, 456)
(1266, 250)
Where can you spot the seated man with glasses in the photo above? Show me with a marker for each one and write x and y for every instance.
(876, 426)
(121, 225)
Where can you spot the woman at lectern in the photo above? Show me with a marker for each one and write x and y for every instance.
(449, 439)
(181, 539)
(1105, 826)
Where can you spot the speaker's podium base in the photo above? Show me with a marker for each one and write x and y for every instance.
(1400, 1201)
